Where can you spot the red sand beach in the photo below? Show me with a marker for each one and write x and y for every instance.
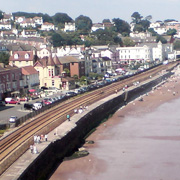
(139, 142)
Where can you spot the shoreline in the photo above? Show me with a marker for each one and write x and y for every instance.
(162, 94)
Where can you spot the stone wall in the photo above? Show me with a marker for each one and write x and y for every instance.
(54, 154)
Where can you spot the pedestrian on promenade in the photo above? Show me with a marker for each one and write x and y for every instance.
(75, 111)
(68, 117)
(35, 139)
(46, 136)
(38, 139)
(42, 137)
(35, 151)
(31, 148)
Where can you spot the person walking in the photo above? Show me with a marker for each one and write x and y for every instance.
(31, 148)
(68, 117)
(35, 151)
(46, 137)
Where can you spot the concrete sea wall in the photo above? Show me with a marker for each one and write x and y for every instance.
(54, 154)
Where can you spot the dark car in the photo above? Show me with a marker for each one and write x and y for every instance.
(70, 94)
(28, 106)
(2, 103)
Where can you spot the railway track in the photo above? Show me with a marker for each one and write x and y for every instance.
(57, 115)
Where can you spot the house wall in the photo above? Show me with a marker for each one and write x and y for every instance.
(21, 63)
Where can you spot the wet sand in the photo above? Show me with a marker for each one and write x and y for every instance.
(139, 142)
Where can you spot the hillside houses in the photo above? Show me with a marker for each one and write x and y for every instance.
(41, 64)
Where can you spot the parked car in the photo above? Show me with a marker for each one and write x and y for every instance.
(2, 103)
(77, 91)
(28, 106)
(10, 100)
(47, 101)
(13, 119)
(23, 99)
(37, 105)
(70, 94)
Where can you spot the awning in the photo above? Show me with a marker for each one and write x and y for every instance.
(32, 90)
(15, 92)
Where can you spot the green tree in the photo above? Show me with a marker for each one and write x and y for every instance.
(161, 38)
(1, 15)
(149, 17)
(136, 17)
(57, 40)
(106, 21)
(67, 70)
(169, 20)
(151, 30)
(4, 58)
(83, 24)
(138, 28)
(121, 26)
(171, 32)
(61, 18)
(47, 18)
(128, 42)
(104, 36)
(145, 24)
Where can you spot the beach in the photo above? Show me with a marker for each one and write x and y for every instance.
(139, 142)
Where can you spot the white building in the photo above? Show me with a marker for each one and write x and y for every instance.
(97, 26)
(5, 25)
(129, 55)
(47, 26)
(28, 23)
(29, 33)
(20, 19)
(75, 51)
(38, 20)
(44, 52)
(69, 26)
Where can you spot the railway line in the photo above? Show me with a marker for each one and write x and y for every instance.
(57, 115)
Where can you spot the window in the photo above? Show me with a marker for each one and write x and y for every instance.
(16, 56)
(52, 82)
(26, 56)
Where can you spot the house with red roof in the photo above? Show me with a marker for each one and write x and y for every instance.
(22, 58)
(11, 81)
(52, 71)
(31, 78)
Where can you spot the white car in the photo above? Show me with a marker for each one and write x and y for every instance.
(13, 119)
(37, 105)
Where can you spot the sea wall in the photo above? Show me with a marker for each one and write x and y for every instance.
(54, 154)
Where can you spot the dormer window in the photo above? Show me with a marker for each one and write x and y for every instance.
(26, 56)
(16, 56)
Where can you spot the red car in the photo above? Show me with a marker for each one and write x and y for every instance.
(12, 101)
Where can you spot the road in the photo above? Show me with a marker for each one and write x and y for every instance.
(16, 110)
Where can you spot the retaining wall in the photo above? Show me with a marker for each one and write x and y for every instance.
(53, 155)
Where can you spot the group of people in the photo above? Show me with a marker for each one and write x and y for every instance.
(37, 139)
(80, 110)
